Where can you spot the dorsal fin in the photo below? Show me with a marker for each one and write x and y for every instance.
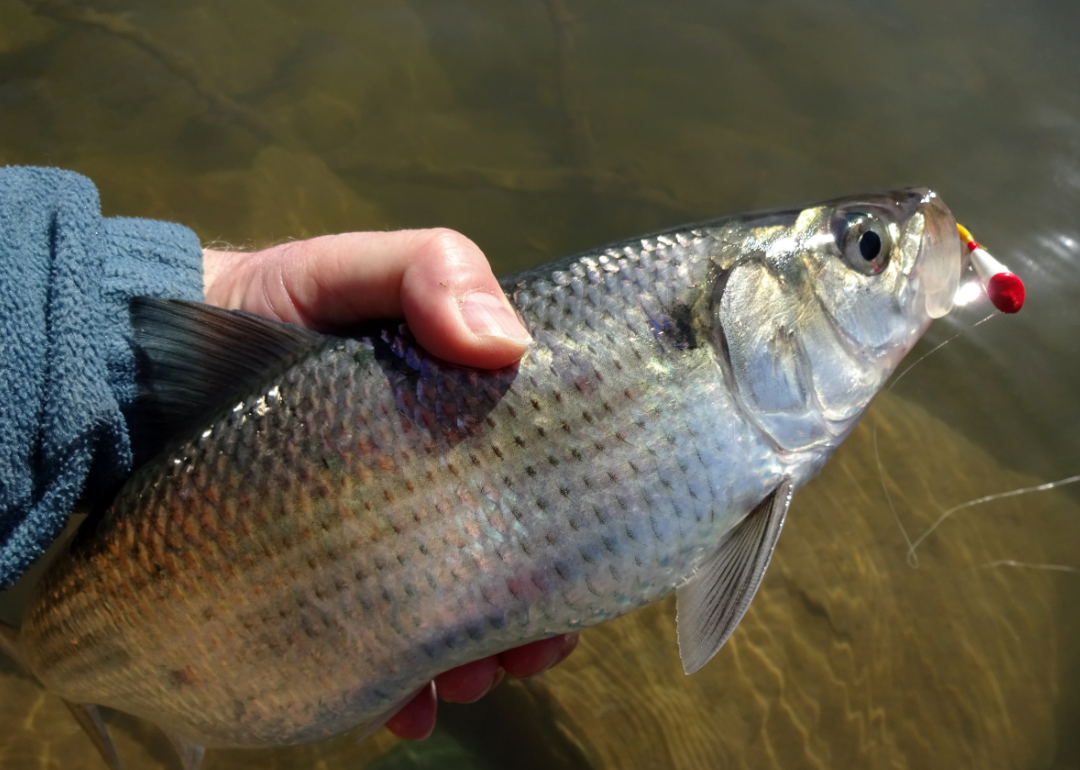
(193, 359)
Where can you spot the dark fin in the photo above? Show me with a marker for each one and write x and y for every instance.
(9, 646)
(191, 754)
(715, 599)
(192, 359)
(89, 719)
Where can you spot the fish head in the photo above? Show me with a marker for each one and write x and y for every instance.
(813, 308)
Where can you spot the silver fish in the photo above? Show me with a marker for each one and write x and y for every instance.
(352, 516)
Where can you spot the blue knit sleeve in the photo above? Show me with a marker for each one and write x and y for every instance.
(66, 365)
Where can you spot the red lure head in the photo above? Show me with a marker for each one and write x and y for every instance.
(1004, 288)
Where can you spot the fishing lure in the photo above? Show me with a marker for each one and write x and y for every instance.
(1002, 286)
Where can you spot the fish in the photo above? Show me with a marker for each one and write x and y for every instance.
(326, 522)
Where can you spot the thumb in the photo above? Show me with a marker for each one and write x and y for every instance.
(438, 280)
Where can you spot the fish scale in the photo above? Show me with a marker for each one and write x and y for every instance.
(370, 516)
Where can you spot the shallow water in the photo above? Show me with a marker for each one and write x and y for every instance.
(546, 127)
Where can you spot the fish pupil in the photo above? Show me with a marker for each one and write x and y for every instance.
(870, 245)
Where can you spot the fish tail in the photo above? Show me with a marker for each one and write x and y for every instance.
(86, 714)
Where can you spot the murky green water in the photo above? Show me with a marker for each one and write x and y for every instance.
(540, 128)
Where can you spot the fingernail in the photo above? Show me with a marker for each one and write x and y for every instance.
(569, 642)
(488, 316)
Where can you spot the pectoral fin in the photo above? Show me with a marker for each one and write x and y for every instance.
(715, 599)
(191, 754)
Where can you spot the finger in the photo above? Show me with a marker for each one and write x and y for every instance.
(470, 682)
(437, 279)
(536, 657)
(569, 644)
(416, 719)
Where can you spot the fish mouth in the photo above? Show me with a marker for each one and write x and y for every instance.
(937, 269)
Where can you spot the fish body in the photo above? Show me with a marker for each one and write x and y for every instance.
(359, 516)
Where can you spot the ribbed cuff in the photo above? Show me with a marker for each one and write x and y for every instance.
(66, 363)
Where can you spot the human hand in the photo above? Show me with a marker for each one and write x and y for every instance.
(441, 283)
(438, 280)
(473, 681)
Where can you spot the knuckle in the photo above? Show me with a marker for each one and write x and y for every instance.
(449, 246)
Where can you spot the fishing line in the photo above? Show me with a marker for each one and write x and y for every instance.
(888, 497)
(912, 558)
(1006, 292)
(925, 356)
(1030, 565)
(981, 500)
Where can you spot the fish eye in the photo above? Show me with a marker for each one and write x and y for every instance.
(863, 241)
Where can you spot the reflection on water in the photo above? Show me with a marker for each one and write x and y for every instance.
(541, 128)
